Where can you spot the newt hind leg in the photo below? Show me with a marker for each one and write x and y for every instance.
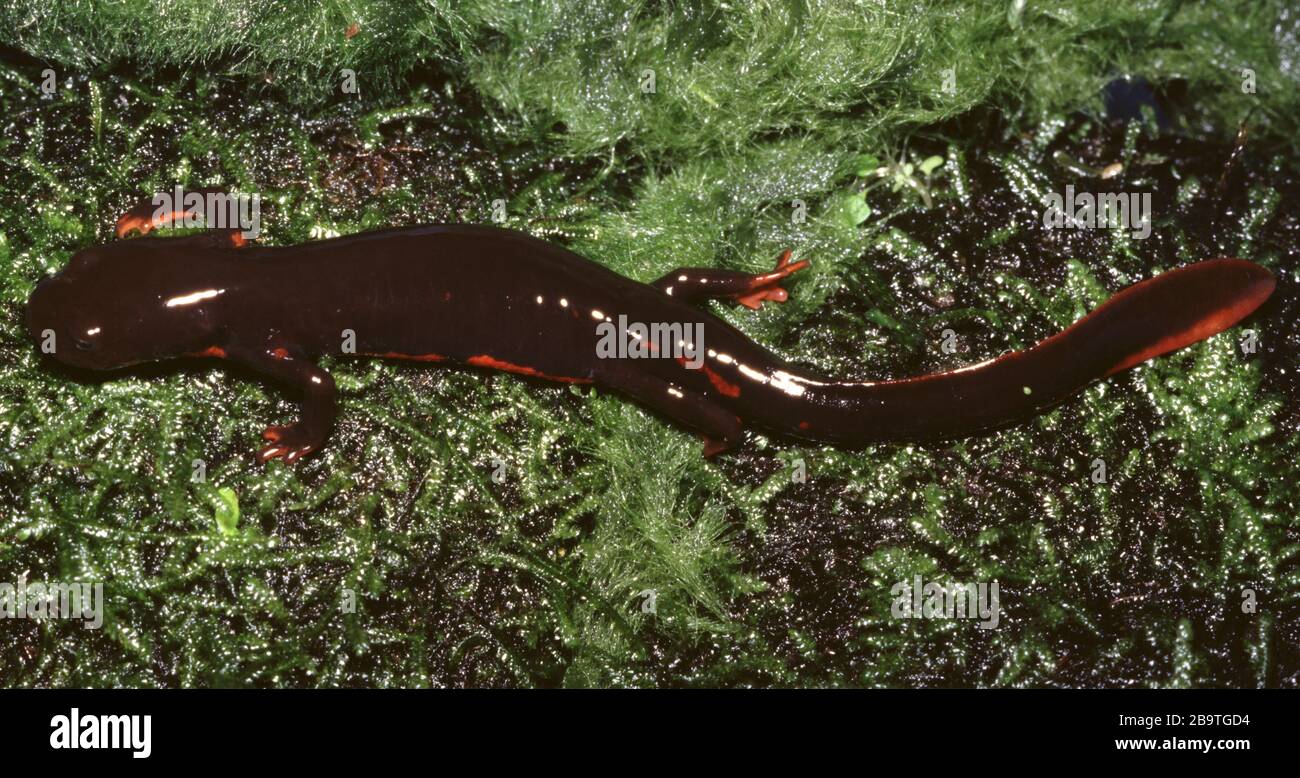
(749, 289)
(145, 216)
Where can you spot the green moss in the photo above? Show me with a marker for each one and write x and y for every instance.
(463, 528)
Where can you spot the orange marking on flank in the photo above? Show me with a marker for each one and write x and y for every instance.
(719, 383)
(483, 360)
(280, 353)
(803, 425)
(210, 351)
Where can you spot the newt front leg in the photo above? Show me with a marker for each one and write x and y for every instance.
(749, 289)
(319, 401)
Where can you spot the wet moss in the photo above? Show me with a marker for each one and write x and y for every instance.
(395, 558)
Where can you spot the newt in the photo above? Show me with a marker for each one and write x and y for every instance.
(500, 299)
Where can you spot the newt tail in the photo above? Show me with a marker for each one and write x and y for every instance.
(1151, 318)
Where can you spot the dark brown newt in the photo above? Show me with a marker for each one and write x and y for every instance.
(472, 295)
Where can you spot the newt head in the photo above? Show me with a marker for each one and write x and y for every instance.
(122, 304)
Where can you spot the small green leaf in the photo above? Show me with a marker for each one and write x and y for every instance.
(865, 165)
(931, 164)
(227, 514)
(854, 209)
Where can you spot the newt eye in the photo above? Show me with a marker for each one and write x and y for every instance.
(83, 345)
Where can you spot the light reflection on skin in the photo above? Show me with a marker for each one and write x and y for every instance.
(785, 382)
(797, 386)
(194, 297)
